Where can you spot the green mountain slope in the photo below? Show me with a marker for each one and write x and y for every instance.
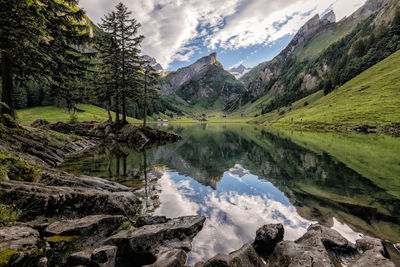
(203, 87)
(322, 55)
(372, 98)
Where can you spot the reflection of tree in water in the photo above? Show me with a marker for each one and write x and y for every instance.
(319, 186)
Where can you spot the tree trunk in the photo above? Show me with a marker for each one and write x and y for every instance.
(116, 105)
(7, 95)
(110, 120)
(145, 100)
(124, 108)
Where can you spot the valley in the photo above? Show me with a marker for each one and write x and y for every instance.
(200, 133)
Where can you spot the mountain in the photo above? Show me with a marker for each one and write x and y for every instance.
(204, 85)
(153, 63)
(370, 99)
(239, 71)
(313, 57)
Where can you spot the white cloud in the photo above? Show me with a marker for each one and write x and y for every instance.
(171, 25)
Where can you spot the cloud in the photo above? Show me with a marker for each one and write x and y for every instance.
(172, 25)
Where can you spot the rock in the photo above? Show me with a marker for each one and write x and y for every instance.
(153, 244)
(91, 228)
(149, 220)
(53, 201)
(320, 246)
(80, 258)
(104, 256)
(288, 253)
(245, 256)
(18, 238)
(267, 237)
(61, 127)
(373, 254)
(39, 122)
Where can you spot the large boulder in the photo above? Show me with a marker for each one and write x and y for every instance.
(267, 237)
(373, 253)
(39, 122)
(162, 244)
(90, 229)
(244, 257)
(64, 201)
(17, 244)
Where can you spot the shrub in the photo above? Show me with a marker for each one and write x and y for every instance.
(73, 118)
(8, 215)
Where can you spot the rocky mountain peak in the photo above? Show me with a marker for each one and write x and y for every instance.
(153, 62)
(208, 60)
(329, 17)
(176, 79)
(239, 71)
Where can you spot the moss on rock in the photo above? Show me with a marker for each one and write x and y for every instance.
(7, 256)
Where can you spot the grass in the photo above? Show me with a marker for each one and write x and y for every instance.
(8, 256)
(55, 114)
(60, 238)
(372, 98)
(8, 215)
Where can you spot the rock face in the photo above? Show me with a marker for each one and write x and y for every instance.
(176, 79)
(153, 62)
(239, 71)
(156, 245)
(267, 237)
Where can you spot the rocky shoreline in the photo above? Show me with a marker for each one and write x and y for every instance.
(77, 220)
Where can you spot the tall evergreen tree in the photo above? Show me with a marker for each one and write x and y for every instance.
(21, 33)
(120, 57)
(150, 87)
(129, 41)
(42, 40)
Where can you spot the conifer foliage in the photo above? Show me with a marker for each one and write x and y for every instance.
(42, 41)
(119, 50)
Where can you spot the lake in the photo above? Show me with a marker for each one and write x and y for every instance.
(241, 177)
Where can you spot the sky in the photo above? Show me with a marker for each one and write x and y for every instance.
(248, 32)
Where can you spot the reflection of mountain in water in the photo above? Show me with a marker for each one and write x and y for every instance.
(319, 186)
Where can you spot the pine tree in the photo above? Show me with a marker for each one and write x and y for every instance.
(42, 41)
(129, 42)
(120, 57)
(21, 33)
(150, 87)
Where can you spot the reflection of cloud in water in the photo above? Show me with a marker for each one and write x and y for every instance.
(346, 231)
(241, 204)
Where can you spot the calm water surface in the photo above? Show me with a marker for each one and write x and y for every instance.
(241, 177)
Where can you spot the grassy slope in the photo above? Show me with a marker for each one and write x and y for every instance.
(317, 45)
(372, 98)
(54, 114)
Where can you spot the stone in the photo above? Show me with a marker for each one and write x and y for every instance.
(104, 256)
(39, 122)
(397, 246)
(149, 220)
(151, 244)
(319, 246)
(245, 256)
(54, 201)
(267, 237)
(91, 228)
(373, 253)
(80, 258)
(18, 238)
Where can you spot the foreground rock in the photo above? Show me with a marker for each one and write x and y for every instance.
(163, 244)
(114, 133)
(320, 246)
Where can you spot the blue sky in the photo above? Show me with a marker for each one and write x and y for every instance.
(178, 32)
